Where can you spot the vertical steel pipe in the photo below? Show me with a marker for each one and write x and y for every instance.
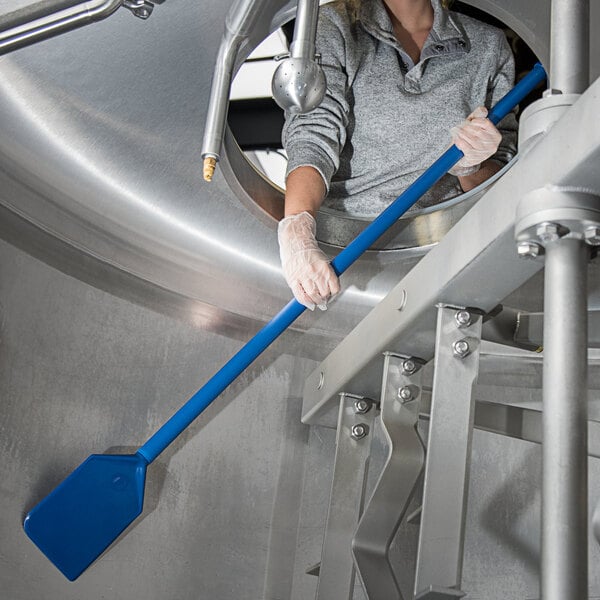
(299, 83)
(244, 20)
(305, 32)
(570, 46)
(564, 489)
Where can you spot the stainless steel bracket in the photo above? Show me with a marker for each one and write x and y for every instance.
(141, 8)
(353, 448)
(441, 540)
(400, 402)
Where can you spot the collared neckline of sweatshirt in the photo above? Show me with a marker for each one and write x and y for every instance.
(384, 120)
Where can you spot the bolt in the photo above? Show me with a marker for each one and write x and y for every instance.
(409, 367)
(359, 431)
(528, 250)
(461, 348)
(362, 406)
(592, 235)
(405, 394)
(547, 232)
(463, 318)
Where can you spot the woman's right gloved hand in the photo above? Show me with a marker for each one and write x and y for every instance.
(305, 266)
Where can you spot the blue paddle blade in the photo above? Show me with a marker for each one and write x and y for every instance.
(84, 514)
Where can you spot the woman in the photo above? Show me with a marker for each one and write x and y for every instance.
(400, 74)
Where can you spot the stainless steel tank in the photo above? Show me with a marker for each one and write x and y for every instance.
(126, 281)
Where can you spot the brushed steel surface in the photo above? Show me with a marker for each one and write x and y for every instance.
(100, 146)
(236, 510)
(84, 371)
(564, 564)
(397, 483)
(26, 27)
(347, 499)
(446, 483)
(100, 176)
(105, 159)
(570, 46)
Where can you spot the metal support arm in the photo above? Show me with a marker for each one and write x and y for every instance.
(352, 452)
(400, 402)
(441, 540)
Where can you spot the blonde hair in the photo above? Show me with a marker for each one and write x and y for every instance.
(354, 6)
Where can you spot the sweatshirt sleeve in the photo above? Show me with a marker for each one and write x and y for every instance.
(502, 82)
(316, 138)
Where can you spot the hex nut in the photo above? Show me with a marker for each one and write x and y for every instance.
(461, 348)
(405, 393)
(528, 249)
(547, 232)
(592, 235)
(358, 432)
(409, 367)
(463, 318)
(362, 406)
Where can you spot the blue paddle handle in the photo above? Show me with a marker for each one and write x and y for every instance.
(270, 332)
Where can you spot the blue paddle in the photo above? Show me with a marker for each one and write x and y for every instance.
(85, 513)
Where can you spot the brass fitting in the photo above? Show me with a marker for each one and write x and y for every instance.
(210, 164)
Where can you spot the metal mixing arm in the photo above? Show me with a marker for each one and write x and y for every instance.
(298, 84)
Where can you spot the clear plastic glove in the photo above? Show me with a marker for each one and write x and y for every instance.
(305, 266)
(478, 138)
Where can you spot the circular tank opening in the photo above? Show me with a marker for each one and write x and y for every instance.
(254, 161)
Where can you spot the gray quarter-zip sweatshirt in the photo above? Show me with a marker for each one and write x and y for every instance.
(384, 119)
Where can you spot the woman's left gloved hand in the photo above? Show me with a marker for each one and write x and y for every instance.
(305, 266)
(478, 138)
